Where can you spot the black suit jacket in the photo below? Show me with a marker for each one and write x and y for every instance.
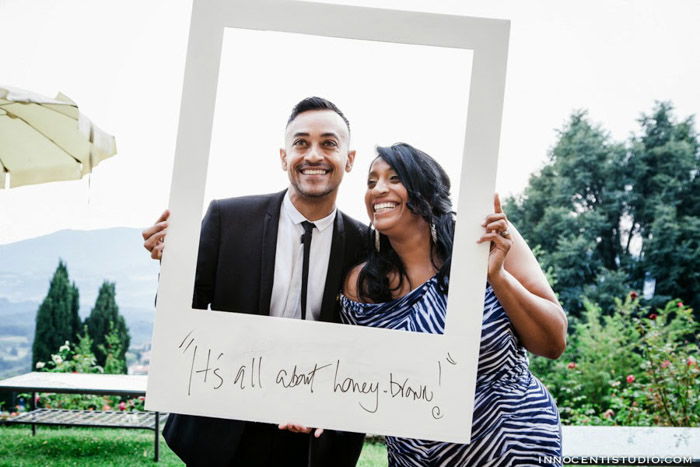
(235, 271)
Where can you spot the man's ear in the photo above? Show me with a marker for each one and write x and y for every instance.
(283, 159)
(350, 161)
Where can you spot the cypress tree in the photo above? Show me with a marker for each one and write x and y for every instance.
(57, 319)
(76, 323)
(105, 319)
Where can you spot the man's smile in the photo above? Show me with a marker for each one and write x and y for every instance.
(314, 171)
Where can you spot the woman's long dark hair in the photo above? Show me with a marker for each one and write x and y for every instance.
(428, 188)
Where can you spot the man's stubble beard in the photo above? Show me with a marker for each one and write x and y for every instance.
(313, 195)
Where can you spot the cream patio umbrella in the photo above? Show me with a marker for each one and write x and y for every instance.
(46, 140)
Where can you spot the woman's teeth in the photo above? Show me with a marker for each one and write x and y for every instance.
(381, 207)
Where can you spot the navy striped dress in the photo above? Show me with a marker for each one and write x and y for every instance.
(515, 422)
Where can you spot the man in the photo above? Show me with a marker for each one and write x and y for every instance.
(251, 260)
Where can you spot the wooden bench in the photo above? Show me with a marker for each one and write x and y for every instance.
(74, 383)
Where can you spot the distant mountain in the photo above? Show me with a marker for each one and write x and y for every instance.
(17, 318)
(92, 256)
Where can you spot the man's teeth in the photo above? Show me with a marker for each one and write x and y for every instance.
(384, 207)
(313, 172)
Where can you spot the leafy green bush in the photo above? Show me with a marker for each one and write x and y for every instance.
(80, 359)
(671, 366)
(114, 351)
(630, 367)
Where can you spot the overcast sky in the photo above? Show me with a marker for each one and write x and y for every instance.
(123, 61)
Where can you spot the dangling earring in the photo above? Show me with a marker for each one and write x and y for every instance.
(433, 233)
(376, 237)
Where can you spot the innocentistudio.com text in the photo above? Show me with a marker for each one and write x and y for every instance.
(620, 460)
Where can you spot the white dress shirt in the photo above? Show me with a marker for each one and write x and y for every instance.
(286, 288)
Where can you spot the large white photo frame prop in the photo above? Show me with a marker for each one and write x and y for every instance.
(249, 367)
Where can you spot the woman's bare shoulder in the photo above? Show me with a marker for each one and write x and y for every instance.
(350, 286)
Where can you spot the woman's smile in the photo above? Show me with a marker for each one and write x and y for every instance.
(383, 207)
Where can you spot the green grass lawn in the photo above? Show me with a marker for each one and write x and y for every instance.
(373, 455)
(108, 447)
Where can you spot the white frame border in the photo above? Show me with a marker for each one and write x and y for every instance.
(488, 39)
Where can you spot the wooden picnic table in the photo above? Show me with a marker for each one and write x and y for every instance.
(78, 383)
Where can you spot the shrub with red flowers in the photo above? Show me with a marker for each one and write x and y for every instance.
(629, 367)
(668, 346)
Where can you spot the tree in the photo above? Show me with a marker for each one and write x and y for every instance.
(104, 320)
(607, 216)
(665, 204)
(57, 319)
(672, 256)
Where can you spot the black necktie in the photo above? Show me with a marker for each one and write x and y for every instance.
(306, 240)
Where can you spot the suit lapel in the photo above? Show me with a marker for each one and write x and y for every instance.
(334, 276)
(268, 251)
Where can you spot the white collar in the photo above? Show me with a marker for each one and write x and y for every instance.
(297, 218)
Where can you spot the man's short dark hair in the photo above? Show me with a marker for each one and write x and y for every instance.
(315, 103)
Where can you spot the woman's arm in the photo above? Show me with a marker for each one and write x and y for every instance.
(523, 290)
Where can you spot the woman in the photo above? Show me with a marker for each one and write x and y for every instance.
(404, 283)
